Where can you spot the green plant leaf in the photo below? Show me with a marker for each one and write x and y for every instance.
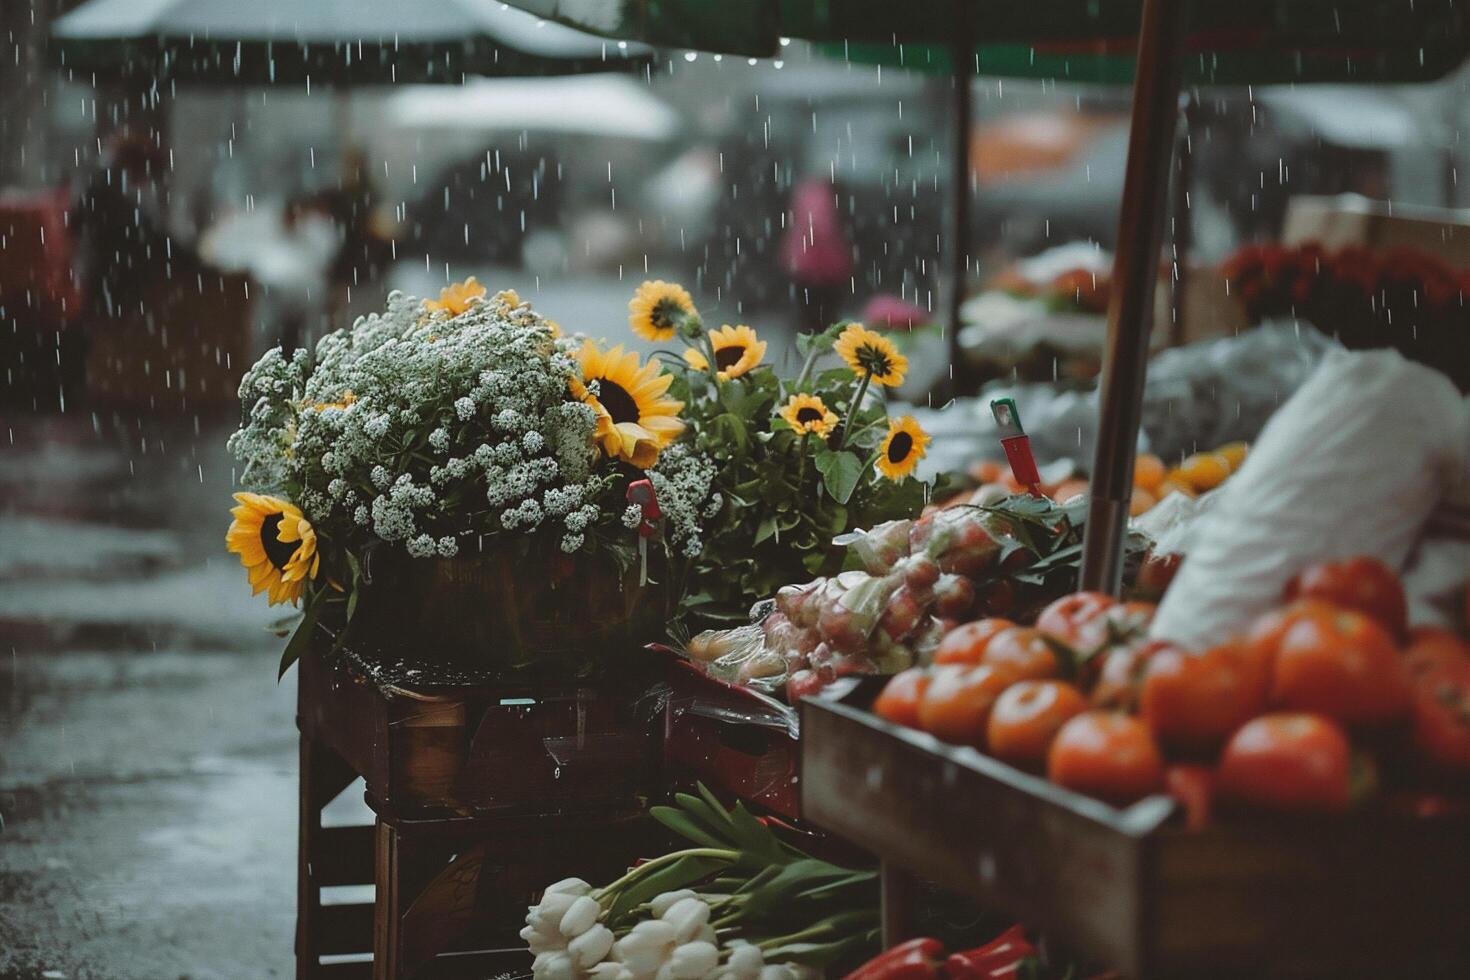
(765, 529)
(300, 640)
(676, 875)
(840, 474)
(686, 826)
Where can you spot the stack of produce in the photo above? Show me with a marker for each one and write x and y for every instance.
(918, 580)
(1299, 713)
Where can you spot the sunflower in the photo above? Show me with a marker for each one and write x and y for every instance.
(902, 448)
(276, 543)
(634, 417)
(657, 309)
(737, 350)
(457, 298)
(871, 354)
(807, 413)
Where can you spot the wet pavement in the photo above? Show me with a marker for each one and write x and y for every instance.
(147, 754)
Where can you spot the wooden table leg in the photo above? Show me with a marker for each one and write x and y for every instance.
(387, 914)
(323, 775)
(898, 889)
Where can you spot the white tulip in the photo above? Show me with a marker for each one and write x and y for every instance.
(646, 948)
(546, 917)
(538, 942)
(606, 970)
(688, 916)
(661, 904)
(579, 917)
(557, 966)
(746, 961)
(774, 973)
(592, 946)
(692, 961)
(570, 886)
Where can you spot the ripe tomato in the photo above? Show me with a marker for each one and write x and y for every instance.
(1290, 762)
(1156, 574)
(1363, 583)
(966, 644)
(1341, 664)
(1107, 755)
(1442, 717)
(898, 702)
(1430, 648)
(1120, 678)
(1066, 616)
(956, 706)
(1025, 719)
(1124, 622)
(1026, 651)
(1263, 638)
(1195, 700)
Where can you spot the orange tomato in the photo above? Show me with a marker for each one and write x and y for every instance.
(1140, 502)
(1339, 663)
(1148, 472)
(898, 702)
(1176, 485)
(956, 706)
(1023, 650)
(1362, 583)
(1124, 622)
(1025, 719)
(986, 471)
(966, 644)
(1263, 638)
(1065, 617)
(1120, 678)
(1069, 489)
(1430, 648)
(1196, 700)
(1288, 762)
(1107, 755)
(1205, 471)
(1442, 717)
(1234, 453)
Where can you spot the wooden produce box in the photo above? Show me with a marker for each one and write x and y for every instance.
(451, 744)
(1367, 894)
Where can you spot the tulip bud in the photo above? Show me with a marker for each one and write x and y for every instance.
(580, 916)
(746, 961)
(688, 916)
(571, 886)
(546, 917)
(662, 903)
(646, 948)
(538, 942)
(692, 961)
(591, 947)
(558, 966)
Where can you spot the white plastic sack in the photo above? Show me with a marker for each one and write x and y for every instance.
(1352, 464)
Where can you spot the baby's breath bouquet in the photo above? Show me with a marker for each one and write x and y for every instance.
(799, 460)
(439, 428)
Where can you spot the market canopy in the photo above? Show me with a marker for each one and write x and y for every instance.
(1254, 41)
(328, 42)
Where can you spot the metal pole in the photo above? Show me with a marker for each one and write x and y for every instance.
(962, 53)
(1135, 274)
(1183, 215)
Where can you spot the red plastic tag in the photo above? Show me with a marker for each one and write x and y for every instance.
(1023, 464)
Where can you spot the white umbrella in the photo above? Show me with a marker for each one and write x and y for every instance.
(604, 105)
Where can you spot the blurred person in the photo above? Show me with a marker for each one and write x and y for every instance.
(816, 252)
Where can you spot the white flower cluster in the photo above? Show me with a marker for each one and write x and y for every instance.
(419, 427)
(682, 481)
(677, 943)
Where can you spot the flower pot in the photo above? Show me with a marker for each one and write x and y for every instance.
(517, 610)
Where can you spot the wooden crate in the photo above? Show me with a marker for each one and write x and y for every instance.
(477, 748)
(1369, 894)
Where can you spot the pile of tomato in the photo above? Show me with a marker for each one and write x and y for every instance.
(1303, 711)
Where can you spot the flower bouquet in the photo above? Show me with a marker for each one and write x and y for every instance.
(499, 490)
(799, 460)
(739, 905)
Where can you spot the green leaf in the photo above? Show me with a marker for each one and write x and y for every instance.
(840, 474)
(685, 826)
(300, 640)
(678, 874)
(765, 529)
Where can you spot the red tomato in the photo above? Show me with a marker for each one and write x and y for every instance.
(956, 706)
(1107, 755)
(1156, 574)
(1442, 717)
(1025, 719)
(898, 702)
(1363, 583)
(1263, 638)
(1065, 617)
(1120, 678)
(1125, 622)
(1429, 649)
(966, 644)
(1026, 651)
(1289, 762)
(1193, 788)
(1342, 664)
(1195, 700)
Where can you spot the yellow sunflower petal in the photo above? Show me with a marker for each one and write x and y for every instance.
(903, 447)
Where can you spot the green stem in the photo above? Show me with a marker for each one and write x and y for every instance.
(857, 399)
(801, 462)
(806, 368)
(658, 862)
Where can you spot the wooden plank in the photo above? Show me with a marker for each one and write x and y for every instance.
(344, 929)
(343, 856)
(356, 970)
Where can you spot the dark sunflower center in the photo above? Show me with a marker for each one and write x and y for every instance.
(729, 356)
(874, 361)
(899, 447)
(278, 552)
(665, 314)
(808, 414)
(619, 404)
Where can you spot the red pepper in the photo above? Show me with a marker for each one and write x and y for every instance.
(917, 959)
(998, 958)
